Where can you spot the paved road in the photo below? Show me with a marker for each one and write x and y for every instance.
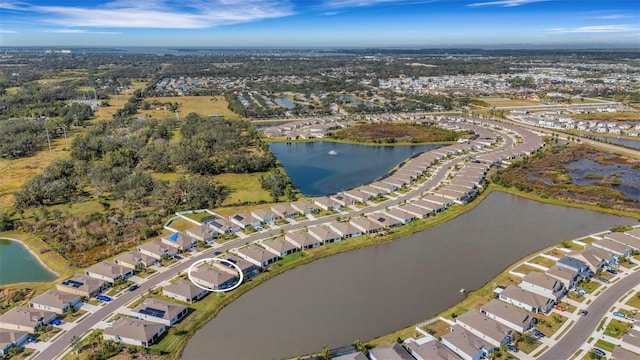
(584, 327)
(86, 324)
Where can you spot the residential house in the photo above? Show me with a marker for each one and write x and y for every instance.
(25, 319)
(214, 277)
(82, 285)
(285, 211)
(345, 229)
(248, 269)
(134, 332)
(11, 338)
(614, 247)
(256, 255)
(264, 215)
(389, 352)
(428, 348)
(159, 311)
(324, 234)
(56, 301)
(384, 220)
(358, 195)
(624, 238)
(279, 246)
(509, 315)
(342, 199)
(467, 345)
(352, 356)
(525, 299)
(109, 271)
(203, 232)
(486, 328)
(386, 188)
(134, 260)
(223, 226)
(302, 240)
(184, 290)
(544, 285)
(400, 215)
(244, 220)
(595, 257)
(180, 241)
(565, 275)
(440, 203)
(620, 353)
(326, 203)
(304, 207)
(366, 225)
(578, 266)
(373, 191)
(635, 233)
(157, 249)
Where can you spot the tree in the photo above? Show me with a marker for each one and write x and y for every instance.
(326, 353)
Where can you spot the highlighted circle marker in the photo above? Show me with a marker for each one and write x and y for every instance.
(209, 260)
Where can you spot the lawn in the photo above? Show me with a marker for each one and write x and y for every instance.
(549, 324)
(500, 101)
(181, 225)
(198, 216)
(589, 287)
(556, 253)
(635, 300)
(73, 316)
(525, 269)
(575, 297)
(617, 328)
(203, 105)
(605, 345)
(539, 260)
(607, 116)
(245, 188)
(437, 329)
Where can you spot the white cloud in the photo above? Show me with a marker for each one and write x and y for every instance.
(505, 3)
(82, 31)
(169, 14)
(621, 28)
(613, 17)
(5, 31)
(339, 4)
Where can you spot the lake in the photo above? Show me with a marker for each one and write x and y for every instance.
(314, 172)
(631, 143)
(588, 172)
(376, 290)
(18, 264)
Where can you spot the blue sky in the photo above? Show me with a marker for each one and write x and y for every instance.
(319, 23)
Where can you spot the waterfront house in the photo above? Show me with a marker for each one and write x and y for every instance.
(635, 233)
(428, 348)
(214, 277)
(345, 229)
(264, 215)
(25, 319)
(543, 285)
(418, 212)
(134, 332)
(11, 338)
(395, 182)
(244, 220)
(614, 247)
(157, 249)
(203, 232)
(373, 191)
(565, 275)
(304, 207)
(342, 199)
(159, 311)
(432, 200)
(486, 328)
(82, 285)
(326, 203)
(285, 211)
(384, 220)
(358, 195)
(366, 225)
(351, 356)
(577, 265)
(386, 188)
(184, 290)
(400, 215)
(109, 271)
(525, 299)
(134, 260)
(509, 315)
(595, 257)
(626, 239)
(279, 246)
(248, 269)
(302, 239)
(180, 241)
(56, 301)
(467, 345)
(389, 352)
(256, 255)
(324, 234)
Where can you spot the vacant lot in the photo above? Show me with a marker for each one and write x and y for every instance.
(614, 116)
(500, 101)
(389, 133)
(203, 105)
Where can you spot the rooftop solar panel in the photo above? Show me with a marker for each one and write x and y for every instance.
(152, 312)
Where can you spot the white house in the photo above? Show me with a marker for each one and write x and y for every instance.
(543, 285)
(525, 299)
(109, 271)
(159, 311)
(56, 301)
(509, 315)
(134, 331)
(467, 345)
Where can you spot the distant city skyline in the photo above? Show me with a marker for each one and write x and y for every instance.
(320, 23)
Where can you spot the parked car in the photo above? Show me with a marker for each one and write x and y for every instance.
(599, 352)
(619, 314)
(606, 281)
(584, 312)
(32, 340)
(512, 348)
(177, 257)
(609, 270)
(133, 287)
(558, 307)
(537, 333)
(56, 322)
(104, 298)
(581, 292)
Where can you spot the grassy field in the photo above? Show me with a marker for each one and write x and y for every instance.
(634, 300)
(500, 101)
(606, 116)
(182, 225)
(203, 105)
(245, 188)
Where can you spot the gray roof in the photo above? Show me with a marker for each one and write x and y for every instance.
(257, 253)
(170, 310)
(525, 297)
(243, 264)
(203, 231)
(303, 206)
(432, 350)
(263, 214)
(108, 269)
(353, 356)
(383, 219)
(507, 312)
(620, 353)
(184, 288)
(283, 209)
(323, 232)
(399, 214)
(493, 329)
(137, 329)
(244, 219)
(83, 283)
(343, 228)
(157, 247)
(572, 262)
(612, 246)
(279, 245)
(391, 352)
(561, 273)
(366, 224)
(135, 257)
(325, 201)
(541, 279)
(180, 239)
(466, 341)
(55, 298)
(626, 239)
(213, 275)
(10, 337)
(416, 210)
(25, 316)
(301, 238)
